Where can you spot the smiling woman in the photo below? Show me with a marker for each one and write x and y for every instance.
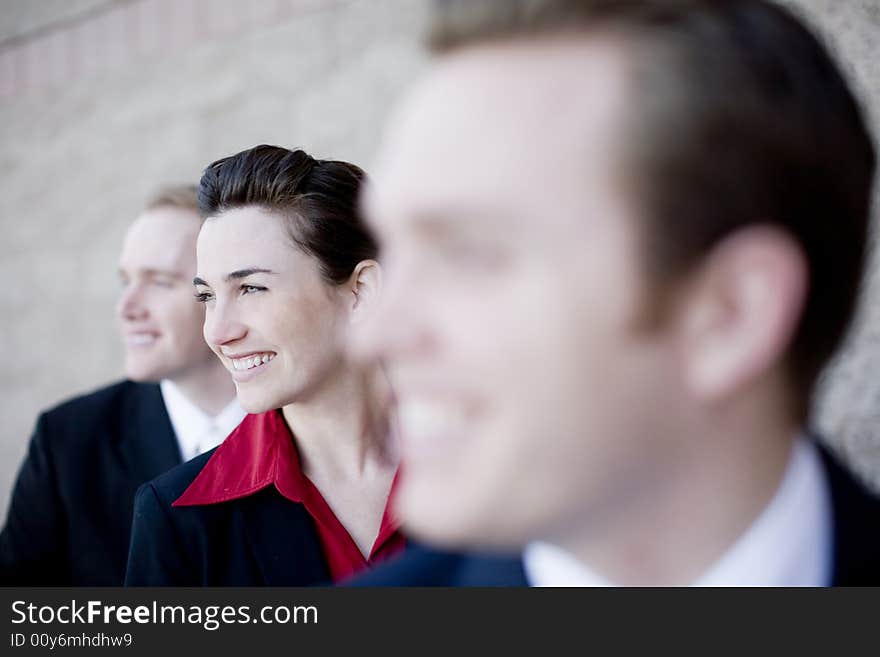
(298, 493)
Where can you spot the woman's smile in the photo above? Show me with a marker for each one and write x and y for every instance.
(247, 366)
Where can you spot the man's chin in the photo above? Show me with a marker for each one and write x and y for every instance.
(144, 370)
(459, 538)
(448, 521)
(143, 375)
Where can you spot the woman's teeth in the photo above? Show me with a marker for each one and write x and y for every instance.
(251, 361)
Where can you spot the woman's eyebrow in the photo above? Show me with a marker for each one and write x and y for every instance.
(237, 274)
(244, 273)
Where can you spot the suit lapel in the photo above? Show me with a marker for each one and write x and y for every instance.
(148, 446)
(856, 528)
(283, 540)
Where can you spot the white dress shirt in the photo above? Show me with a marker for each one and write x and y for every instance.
(196, 431)
(788, 544)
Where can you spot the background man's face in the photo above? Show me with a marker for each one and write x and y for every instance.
(527, 395)
(160, 321)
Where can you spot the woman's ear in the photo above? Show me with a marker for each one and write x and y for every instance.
(365, 285)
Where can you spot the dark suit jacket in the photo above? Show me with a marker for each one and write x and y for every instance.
(69, 518)
(856, 556)
(263, 539)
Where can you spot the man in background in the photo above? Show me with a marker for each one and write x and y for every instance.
(622, 238)
(70, 515)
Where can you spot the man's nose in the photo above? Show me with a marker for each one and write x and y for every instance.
(131, 305)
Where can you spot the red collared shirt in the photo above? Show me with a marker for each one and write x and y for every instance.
(261, 452)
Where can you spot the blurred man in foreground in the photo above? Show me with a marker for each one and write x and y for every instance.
(622, 239)
(70, 516)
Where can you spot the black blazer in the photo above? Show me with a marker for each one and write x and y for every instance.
(263, 539)
(69, 519)
(856, 548)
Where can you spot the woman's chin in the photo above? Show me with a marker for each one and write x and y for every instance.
(254, 405)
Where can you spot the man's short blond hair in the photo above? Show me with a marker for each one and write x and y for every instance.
(183, 197)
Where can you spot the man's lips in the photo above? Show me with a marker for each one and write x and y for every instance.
(140, 338)
(433, 425)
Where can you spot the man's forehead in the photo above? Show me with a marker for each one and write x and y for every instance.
(159, 240)
(495, 123)
(173, 227)
(547, 88)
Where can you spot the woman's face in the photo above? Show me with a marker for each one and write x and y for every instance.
(271, 319)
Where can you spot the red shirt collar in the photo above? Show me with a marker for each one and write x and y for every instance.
(257, 453)
(260, 452)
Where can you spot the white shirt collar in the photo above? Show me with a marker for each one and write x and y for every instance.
(196, 431)
(788, 544)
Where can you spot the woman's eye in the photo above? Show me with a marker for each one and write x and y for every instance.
(204, 297)
(250, 289)
(162, 283)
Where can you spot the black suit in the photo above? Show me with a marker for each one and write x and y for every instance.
(856, 548)
(262, 539)
(70, 515)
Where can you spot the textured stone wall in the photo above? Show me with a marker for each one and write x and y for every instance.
(80, 153)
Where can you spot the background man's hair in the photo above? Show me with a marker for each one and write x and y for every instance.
(183, 197)
(317, 198)
(737, 116)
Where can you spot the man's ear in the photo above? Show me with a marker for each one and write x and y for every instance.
(742, 310)
(364, 285)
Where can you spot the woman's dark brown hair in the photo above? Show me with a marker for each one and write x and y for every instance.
(318, 198)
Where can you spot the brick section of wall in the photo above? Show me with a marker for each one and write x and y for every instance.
(23, 19)
(116, 34)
